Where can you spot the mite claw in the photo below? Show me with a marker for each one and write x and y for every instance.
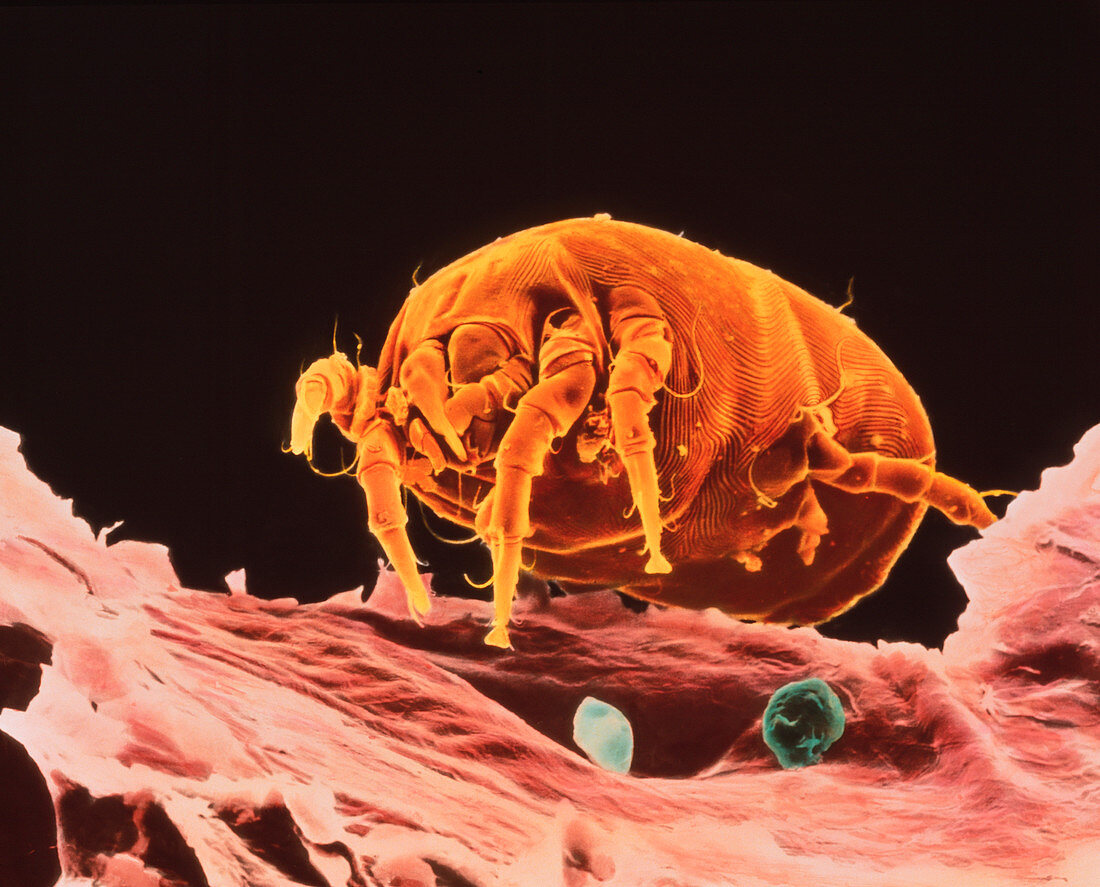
(498, 637)
(807, 547)
(423, 442)
(418, 602)
(749, 561)
(469, 402)
(454, 442)
(423, 376)
(658, 564)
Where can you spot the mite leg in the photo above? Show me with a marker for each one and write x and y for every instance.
(489, 377)
(548, 410)
(809, 521)
(423, 375)
(812, 523)
(907, 479)
(379, 476)
(641, 363)
(354, 423)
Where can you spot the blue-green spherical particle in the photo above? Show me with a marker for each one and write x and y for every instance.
(603, 733)
(801, 721)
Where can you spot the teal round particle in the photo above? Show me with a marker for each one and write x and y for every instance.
(801, 721)
(603, 733)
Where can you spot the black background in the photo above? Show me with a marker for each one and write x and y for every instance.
(192, 195)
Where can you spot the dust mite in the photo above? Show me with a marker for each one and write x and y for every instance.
(627, 409)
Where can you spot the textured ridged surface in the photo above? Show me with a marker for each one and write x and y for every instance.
(190, 737)
(757, 349)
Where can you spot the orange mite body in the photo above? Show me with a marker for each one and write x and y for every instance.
(590, 392)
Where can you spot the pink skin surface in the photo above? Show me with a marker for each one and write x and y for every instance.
(272, 743)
